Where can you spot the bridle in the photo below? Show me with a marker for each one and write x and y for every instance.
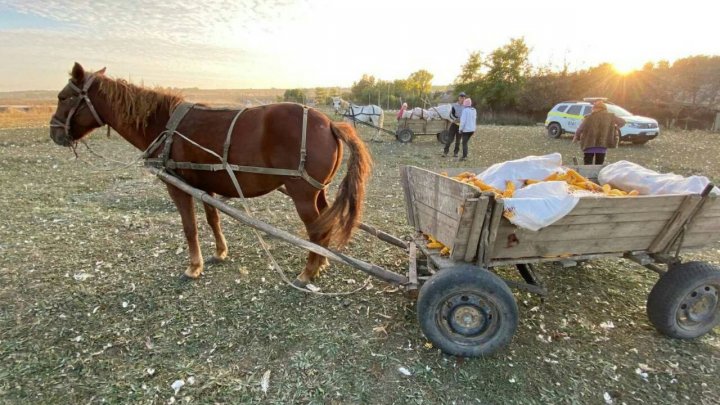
(82, 95)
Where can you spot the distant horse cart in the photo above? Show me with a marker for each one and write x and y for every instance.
(463, 307)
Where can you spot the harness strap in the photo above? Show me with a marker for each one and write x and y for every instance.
(177, 116)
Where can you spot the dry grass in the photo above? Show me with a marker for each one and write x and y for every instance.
(93, 311)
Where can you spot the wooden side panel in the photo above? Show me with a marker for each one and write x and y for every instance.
(596, 225)
(442, 207)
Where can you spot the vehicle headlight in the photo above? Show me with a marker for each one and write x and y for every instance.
(634, 124)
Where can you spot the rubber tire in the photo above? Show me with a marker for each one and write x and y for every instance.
(405, 135)
(554, 130)
(443, 137)
(672, 288)
(641, 142)
(456, 280)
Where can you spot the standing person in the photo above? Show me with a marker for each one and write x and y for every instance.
(453, 131)
(402, 111)
(468, 124)
(597, 133)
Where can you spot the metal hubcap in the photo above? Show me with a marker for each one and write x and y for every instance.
(699, 307)
(467, 315)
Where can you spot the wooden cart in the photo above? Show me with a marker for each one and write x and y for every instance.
(408, 128)
(465, 309)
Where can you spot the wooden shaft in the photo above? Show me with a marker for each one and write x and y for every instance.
(368, 268)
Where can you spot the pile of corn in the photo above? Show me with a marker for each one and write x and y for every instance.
(435, 244)
(576, 181)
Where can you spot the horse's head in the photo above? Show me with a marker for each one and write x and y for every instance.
(75, 115)
(337, 104)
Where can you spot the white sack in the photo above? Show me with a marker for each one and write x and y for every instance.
(527, 168)
(628, 176)
(539, 205)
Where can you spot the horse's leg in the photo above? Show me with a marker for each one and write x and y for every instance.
(186, 208)
(213, 219)
(305, 198)
(321, 203)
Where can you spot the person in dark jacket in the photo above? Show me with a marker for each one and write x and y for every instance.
(598, 132)
(453, 131)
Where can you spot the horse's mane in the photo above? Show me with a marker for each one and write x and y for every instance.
(136, 104)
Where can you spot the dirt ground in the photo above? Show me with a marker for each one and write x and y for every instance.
(93, 309)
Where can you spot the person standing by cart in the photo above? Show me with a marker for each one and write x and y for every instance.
(468, 124)
(598, 132)
(453, 131)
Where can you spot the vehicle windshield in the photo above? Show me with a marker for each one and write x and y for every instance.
(619, 111)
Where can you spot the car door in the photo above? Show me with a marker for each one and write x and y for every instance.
(574, 117)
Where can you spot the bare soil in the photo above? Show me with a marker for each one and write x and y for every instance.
(93, 309)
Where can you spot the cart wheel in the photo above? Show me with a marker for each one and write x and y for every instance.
(405, 135)
(554, 130)
(467, 311)
(684, 302)
(443, 136)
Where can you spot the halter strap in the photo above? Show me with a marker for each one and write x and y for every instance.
(83, 96)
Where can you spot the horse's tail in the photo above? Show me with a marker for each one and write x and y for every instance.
(337, 222)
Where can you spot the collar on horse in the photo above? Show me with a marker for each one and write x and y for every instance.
(167, 136)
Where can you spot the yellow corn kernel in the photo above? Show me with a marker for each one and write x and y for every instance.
(633, 193)
(435, 245)
(445, 251)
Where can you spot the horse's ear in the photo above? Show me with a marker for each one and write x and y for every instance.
(78, 73)
(101, 71)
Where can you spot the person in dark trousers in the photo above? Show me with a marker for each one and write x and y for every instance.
(598, 132)
(453, 131)
(468, 124)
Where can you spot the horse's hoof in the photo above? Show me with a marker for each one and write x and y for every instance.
(299, 283)
(185, 278)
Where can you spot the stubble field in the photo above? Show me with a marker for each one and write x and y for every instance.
(93, 309)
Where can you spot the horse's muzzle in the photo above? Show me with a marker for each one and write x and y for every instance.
(59, 136)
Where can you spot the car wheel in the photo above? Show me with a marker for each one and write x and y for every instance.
(639, 141)
(554, 130)
(467, 311)
(685, 302)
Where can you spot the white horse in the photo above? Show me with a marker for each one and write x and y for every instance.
(371, 114)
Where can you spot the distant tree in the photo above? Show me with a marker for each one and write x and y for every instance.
(419, 85)
(508, 69)
(295, 96)
(697, 79)
(470, 78)
(363, 90)
(322, 96)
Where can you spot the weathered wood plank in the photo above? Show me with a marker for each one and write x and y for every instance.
(572, 233)
(495, 221)
(459, 246)
(626, 204)
(409, 199)
(476, 228)
(567, 248)
(675, 224)
(435, 223)
(614, 218)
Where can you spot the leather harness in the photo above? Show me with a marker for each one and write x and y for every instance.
(167, 136)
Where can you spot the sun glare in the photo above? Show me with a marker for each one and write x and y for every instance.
(623, 69)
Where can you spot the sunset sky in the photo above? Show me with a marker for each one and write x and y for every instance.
(307, 43)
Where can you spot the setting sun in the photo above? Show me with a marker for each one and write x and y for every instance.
(623, 68)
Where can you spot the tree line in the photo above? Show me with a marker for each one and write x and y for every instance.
(508, 89)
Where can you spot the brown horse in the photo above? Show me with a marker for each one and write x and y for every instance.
(267, 137)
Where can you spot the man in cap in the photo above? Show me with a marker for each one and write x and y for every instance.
(453, 131)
